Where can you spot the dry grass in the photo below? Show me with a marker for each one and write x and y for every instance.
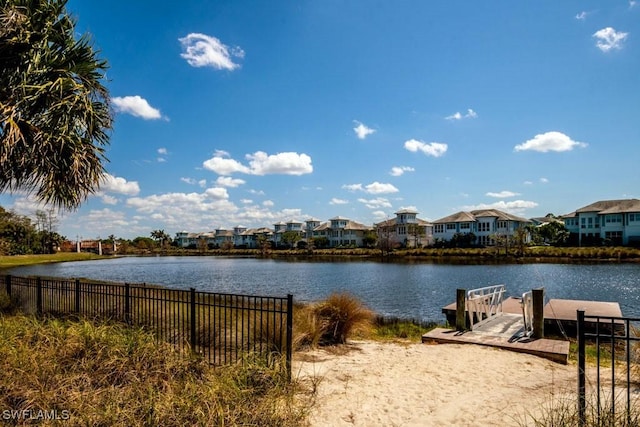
(330, 321)
(110, 374)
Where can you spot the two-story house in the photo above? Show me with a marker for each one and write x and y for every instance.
(615, 222)
(406, 229)
(485, 224)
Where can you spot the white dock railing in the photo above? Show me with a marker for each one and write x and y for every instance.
(483, 304)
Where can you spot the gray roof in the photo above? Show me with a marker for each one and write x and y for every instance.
(480, 213)
(612, 206)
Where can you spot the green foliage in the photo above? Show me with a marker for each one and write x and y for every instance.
(392, 328)
(54, 110)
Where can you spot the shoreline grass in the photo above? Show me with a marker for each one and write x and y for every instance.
(111, 374)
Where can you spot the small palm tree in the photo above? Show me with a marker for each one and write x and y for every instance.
(54, 110)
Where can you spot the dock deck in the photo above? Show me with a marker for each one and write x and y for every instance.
(506, 331)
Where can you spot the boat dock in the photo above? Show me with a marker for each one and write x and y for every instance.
(506, 331)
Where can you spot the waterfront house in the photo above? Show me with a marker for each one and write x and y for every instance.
(485, 224)
(406, 230)
(614, 222)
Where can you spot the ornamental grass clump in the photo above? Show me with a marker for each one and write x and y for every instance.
(339, 316)
(112, 374)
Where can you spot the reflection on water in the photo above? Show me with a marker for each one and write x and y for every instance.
(409, 290)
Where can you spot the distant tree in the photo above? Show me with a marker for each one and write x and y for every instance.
(227, 245)
(369, 239)
(417, 232)
(202, 244)
(54, 110)
(385, 243)
(290, 238)
(321, 242)
(143, 243)
(553, 233)
(264, 244)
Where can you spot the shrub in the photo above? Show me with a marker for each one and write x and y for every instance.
(338, 316)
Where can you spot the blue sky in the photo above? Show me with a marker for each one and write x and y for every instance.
(252, 112)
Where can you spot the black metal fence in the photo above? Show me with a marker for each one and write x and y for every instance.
(223, 328)
(613, 397)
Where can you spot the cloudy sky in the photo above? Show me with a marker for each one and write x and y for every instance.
(253, 112)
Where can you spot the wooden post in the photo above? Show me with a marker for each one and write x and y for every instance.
(582, 401)
(538, 312)
(461, 299)
(192, 318)
(78, 297)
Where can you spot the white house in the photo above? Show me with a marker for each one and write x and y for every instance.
(485, 224)
(615, 222)
(406, 229)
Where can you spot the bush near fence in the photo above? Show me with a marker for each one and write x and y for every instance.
(222, 328)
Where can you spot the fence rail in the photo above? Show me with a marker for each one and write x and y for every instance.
(220, 327)
(615, 396)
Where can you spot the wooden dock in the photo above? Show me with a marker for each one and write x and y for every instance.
(506, 331)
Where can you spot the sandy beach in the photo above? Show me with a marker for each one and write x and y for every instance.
(414, 384)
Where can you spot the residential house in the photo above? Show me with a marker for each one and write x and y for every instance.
(341, 231)
(406, 230)
(615, 222)
(485, 224)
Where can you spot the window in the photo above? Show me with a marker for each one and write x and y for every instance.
(614, 218)
(451, 226)
(502, 224)
(583, 223)
(634, 217)
(484, 226)
(438, 228)
(465, 226)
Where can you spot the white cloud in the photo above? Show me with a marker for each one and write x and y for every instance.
(227, 181)
(544, 180)
(246, 201)
(549, 141)
(632, 4)
(268, 203)
(582, 15)
(109, 200)
(261, 163)
(282, 163)
(377, 203)
(201, 50)
(470, 114)
(119, 185)
(353, 187)
(503, 194)
(400, 170)
(361, 130)
(380, 215)
(516, 207)
(217, 193)
(161, 160)
(435, 149)
(373, 188)
(528, 183)
(608, 38)
(136, 106)
(335, 201)
(380, 188)
(163, 151)
(223, 166)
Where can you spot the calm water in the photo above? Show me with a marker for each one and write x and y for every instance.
(403, 290)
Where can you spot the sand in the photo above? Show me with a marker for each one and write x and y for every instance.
(415, 384)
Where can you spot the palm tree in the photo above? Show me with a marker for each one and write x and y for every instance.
(54, 110)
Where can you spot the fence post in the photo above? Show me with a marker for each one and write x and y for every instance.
(538, 312)
(77, 297)
(582, 402)
(38, 295)
(7, 284)
(127, 303)
(192, 337)
(461, 300)
(289, 334)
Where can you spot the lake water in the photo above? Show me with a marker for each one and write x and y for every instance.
(416, 290)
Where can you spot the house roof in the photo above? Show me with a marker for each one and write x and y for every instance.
(480, 213)
(612, 206)
(407, 211)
